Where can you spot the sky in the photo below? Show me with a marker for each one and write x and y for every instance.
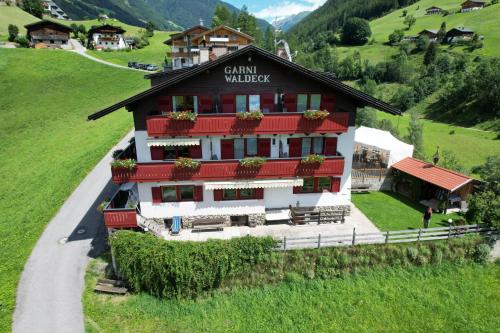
(270, 9)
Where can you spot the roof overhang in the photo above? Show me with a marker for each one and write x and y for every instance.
(172, 142)
(264, 183)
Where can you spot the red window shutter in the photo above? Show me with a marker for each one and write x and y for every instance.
(297, 189)
(198, 193)
(217, 195)
(204, 103)
(328, 102)
(157, 153)
(227, 149)
(157, 197)
(267, 102)
(165, 103)
(330, 146)
(195, 151)
(294, 147)
(264, 148)
(259, 193)
(228, 103)
(335, 185)
(290, 102)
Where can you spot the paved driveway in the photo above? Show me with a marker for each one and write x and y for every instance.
(50, 290)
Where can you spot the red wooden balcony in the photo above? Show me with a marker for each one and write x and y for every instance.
(229, 169)
(225, 124)
(120, 218)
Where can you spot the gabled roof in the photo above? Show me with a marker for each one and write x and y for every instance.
(42, 23)
(432, 31)
(360, 96)
(479, 2)
(97, 28)
(441, 177)
(434, 7)
(461, 29)
(183, 33)
(208, 32)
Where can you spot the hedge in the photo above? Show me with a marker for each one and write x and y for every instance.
(178, 269)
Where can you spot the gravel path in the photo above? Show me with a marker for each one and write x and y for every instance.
(50, 290)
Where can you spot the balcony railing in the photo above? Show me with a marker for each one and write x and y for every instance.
(121, 211)
(225, 124)
(229, 169)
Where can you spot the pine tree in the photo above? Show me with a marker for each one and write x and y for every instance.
(268, 41)
(441, 33)
(415, 135)
(222, 16)
(430, 54)
(34, 7)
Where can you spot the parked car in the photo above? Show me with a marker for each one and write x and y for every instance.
(132, 64)
(152, 68)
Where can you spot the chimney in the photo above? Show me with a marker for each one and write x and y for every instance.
(201, 21)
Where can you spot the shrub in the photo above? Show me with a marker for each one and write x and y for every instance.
(183, 115)
(186, 163)
(313, 159)
(252, 162)
(412, 253)
(22, 41)
(316, 114)
(250, 115)
(292, 277)
(482, 253)
(13, 30)
(124, 164)
(356, 31)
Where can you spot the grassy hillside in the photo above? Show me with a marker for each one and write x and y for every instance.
(47, 144)
(14, 15)
(461, 298)
(154, 53)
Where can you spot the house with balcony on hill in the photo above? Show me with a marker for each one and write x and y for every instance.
(243, 139)
(47, 33)
(471, 5)
(200, 44)
(106, 36)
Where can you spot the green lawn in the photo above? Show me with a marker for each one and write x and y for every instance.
(391, 211)
(425, 299)
(154, 53)
(47, 145)
(14, 15)
(470, 145)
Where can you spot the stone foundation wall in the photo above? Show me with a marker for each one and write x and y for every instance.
(253, 219)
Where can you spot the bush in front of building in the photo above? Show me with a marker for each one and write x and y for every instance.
(176, 269)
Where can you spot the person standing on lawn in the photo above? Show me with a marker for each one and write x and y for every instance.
(427, 217)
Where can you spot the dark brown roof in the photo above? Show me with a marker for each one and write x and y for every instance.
(242, 34)
(97, 28)
(43, 23)
(362, 97)
(183, 33)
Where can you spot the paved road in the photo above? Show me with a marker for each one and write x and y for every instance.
(50, 290)
(78, 48)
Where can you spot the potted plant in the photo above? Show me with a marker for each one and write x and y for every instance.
(252, 162)
(102, 206)
(316, 114)
(128, 163)
(313, 159)
(183, 115)
(186, 163)
(250, 115)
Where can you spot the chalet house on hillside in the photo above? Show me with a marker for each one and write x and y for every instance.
(47, 33)
(107, 37)
(433, 10)
(430, 33)
(204, 159)
(457, 34)
(200, 44)
(471, 5)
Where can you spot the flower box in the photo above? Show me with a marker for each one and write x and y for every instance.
(183, 115)
(313, 159)
(252, 162)
(316, 114)
(250, 115)
(124, 164)
(186, 163)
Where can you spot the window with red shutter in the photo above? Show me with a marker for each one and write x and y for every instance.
(204, 104)
(157, 197)
(218, 195)
(294, 147)
(330, 146)
(165, 103)
(226, 149)
(259, 193)
(195, 151)
(157, 153)
(336, 185)
(198, 193)
(264, 147)
(328, 102)
(228, 104)
(267, 103)
(290, 102)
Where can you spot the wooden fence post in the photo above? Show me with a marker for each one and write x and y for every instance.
(284, 243)
(353, 236)
(387, 237)
(449, 230)
(319, 241)
(419, 234)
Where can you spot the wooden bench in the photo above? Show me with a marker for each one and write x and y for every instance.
(111, 286)
(360, 188)
(208, 224)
